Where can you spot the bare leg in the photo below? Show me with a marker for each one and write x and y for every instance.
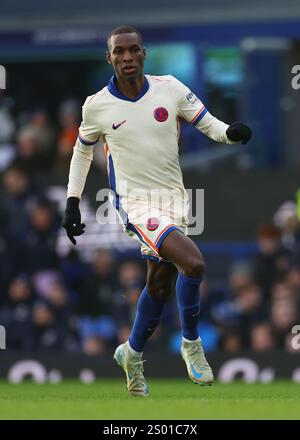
(183, 252)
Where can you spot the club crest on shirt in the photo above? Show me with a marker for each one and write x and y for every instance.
(152, 223)
(161, 114)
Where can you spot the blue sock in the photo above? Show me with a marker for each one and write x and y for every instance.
(147, 317)
(188, 300)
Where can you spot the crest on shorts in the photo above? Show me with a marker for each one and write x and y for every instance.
(161, 114)
(152, 223)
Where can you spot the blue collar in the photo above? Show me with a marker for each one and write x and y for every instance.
(116, 92)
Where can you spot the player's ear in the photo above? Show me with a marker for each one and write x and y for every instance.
(144, 52)
(108, 57)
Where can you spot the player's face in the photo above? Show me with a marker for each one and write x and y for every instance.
(126, 55)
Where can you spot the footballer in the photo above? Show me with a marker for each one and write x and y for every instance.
(137, 116)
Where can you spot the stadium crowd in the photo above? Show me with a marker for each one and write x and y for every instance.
(54, 303)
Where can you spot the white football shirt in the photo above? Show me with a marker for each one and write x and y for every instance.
(141, 135)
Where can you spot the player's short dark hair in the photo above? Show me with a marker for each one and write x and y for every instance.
(124, 30)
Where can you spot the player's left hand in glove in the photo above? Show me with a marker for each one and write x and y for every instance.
(72, 219)
(239, 132)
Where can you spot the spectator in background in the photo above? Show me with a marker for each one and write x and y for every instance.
(45, 335)
(131, 278)
(236, 316)
(285, 218)
(272, 261)
(65, 319)
(281, 290)
(94, 346)
(29, 149)
(50, 286)
(252, 310)
(284, 315)
(15, 313)
(48, 333)
(293, 279)
(231, 341)
(44, 134)
(39, 243)
(262, 337)
(240, 276)
(15, 205)
(96, 300)
(225, 310)
(11, 262)
(68, 115)
(74, 270)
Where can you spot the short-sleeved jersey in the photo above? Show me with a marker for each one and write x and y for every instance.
(141, 135)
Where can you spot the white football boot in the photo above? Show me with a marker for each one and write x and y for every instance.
(133, 367)
(198, 369)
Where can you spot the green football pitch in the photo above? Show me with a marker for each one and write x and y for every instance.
(172, 399)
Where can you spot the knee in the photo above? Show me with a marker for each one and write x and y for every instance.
(194, 267)
(160, 290)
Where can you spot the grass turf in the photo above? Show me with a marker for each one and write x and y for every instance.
(171, 399)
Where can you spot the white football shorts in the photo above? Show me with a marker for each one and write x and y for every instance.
(151, 225)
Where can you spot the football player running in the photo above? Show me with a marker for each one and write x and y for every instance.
(137, 116)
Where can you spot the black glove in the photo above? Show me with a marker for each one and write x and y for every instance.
(238, 131)
(72, 219)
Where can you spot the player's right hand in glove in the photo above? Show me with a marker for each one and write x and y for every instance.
(239, 132)
(72, 219)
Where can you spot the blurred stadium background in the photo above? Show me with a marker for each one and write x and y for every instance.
(64, 308)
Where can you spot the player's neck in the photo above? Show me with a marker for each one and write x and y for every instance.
(131, 87)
